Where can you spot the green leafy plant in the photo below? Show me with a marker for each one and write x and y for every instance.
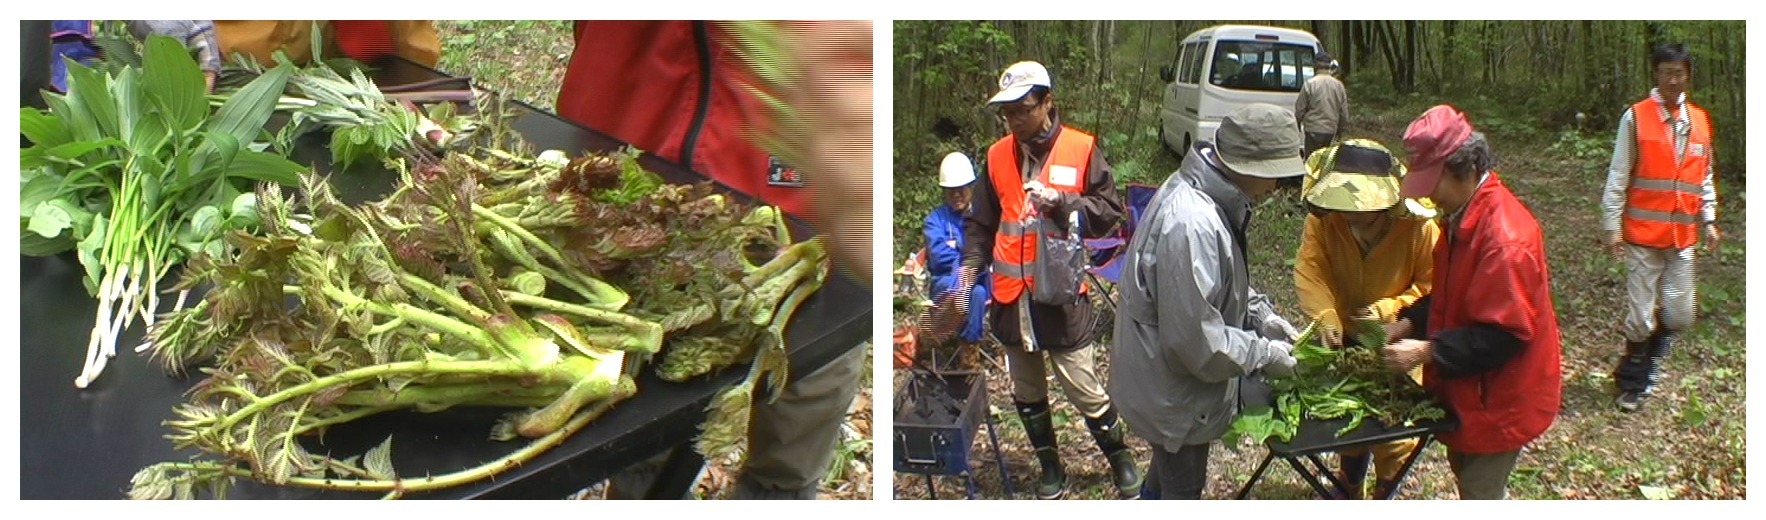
(133, 172)
(1352, 382)
(428, 299)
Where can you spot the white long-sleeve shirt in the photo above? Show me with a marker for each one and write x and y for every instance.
(1625, 158)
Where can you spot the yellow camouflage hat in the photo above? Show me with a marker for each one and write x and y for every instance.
(1355, 175)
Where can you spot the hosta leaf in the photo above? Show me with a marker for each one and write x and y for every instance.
(41, 128)
(243, 212)
(218, 150)
(173, 80)
(49, 220)
(38, 187)
(91, 89)
(244, 113)
(73, 151)
(262, 166)
(1259, 424)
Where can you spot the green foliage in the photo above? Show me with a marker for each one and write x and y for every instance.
(1258, 424)
(1352, 382)
(1583, 146)
(521, 59)
(635, 182)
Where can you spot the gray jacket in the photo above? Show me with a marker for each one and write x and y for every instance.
(1189, 324)
(1323, 105)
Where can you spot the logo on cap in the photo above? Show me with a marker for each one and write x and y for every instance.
(1008, 79)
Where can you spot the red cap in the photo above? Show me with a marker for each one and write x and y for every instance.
(1430, 139)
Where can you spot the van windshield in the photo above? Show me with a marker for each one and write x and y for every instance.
(1260, 65)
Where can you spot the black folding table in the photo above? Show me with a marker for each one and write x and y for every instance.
(1315, 438)
(86, 444)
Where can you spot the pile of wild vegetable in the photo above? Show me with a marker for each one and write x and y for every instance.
(491, 278)
(1352, 382)
(132, 170)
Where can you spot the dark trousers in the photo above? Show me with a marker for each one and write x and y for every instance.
(1316, 141)
(1177, 476)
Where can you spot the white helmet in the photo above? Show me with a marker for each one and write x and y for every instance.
(956, 172)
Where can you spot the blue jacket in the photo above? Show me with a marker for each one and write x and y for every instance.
(944, 254)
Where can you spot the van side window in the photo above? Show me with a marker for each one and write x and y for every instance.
(1182, 63)
(1196, 56)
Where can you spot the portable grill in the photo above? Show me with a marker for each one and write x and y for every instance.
(942, 446)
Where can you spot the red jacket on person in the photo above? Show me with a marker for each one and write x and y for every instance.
(673, 89)
(1490, 270)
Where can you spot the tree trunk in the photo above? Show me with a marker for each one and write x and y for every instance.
(1345, 48)
(1383, 34)
(1410, 56)
(1449, 46)
(1489, 52)
(1134, 121)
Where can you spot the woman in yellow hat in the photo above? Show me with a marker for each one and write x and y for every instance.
(1365, 253)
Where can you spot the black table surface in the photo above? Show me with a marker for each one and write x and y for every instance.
(1316, 436)
(86, 444)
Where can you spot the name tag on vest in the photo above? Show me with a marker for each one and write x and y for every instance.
(1695, 150)
(1063, 175)
(780, 174)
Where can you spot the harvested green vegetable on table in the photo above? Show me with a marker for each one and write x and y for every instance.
(1352, 382)
(486, 279)
(133, 171)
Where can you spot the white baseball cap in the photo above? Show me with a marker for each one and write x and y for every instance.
(1017, 80)
(956, 171)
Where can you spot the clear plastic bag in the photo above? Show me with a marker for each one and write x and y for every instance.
(1060, 262)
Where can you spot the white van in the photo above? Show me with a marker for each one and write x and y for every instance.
(1224, 67)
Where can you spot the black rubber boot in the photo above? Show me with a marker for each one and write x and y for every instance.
(1039, 426)
(1109, 433)
(1632, 376)
(1660, 344)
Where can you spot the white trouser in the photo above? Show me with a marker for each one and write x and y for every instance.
(1656, 275)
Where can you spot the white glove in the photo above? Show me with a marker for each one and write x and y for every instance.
(1278, 329)
(1281, 362)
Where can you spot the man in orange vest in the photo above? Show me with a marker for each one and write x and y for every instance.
(1659, 194)
(1050, 171)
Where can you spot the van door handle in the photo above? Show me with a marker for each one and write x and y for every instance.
(1191, 110)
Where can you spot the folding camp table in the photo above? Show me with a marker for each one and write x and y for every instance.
(1314, 438)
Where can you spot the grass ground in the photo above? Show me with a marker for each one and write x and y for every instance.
(1688, 444)
(526, 59)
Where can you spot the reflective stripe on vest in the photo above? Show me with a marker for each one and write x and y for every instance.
(1659, 216)
(1014, 246)
(1663, 201)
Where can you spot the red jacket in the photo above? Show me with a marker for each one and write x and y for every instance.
(671, 88)
(1490, 269)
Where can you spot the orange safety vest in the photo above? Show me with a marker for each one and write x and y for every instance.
(1662, 204)
(1014, 245)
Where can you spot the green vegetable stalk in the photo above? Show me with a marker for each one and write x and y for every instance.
(545, 302)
